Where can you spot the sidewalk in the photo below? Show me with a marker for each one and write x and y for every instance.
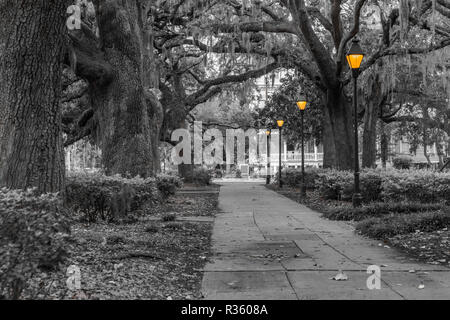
(269, 247)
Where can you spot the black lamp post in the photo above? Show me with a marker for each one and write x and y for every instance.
(301, 103)
(354, 58)
(268, 132)
(280, 125)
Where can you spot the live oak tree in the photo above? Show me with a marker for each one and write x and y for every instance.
(139, 79)
(422, 115)
(282, 106)
(136, 70)
(322, 31)
(386, 86)
(32, 42)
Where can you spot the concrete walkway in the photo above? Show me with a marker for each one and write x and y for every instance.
(269, 247)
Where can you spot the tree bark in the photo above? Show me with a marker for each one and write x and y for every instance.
(341, 121)
(371, 116)
(329, 149)
(128, 115)
(32, 40)
(385, 137)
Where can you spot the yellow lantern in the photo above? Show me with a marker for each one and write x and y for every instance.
(280, 123)
(268, 132)
(355, 55)
(301, 103)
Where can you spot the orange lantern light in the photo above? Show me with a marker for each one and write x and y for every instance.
(355, 55)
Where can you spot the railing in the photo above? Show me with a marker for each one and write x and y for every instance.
(296, 157)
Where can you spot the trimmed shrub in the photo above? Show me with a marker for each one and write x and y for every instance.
(379, 209)
(218, 174)
(109, 198)
(376, 185)
(389, 226)
(334, 184)
(168, 185)
(199, 177)
(34, 232)
(402, 163)
(168, 217)
(293, 177)
(202, 177)
(416, 185)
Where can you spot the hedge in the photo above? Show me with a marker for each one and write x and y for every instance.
(293, 177)
(376, 185)
(34, 234)
(379, 209)
(199, 177)
(112, 198)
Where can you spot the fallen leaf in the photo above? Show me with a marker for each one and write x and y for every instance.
(341, 276)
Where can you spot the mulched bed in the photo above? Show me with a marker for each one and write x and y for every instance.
(430, 247)
(148, 259)
(190, 201)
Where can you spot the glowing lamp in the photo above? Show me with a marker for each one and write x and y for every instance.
(355, 55)
(301, 103)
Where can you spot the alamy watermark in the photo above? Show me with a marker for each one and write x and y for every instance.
(74, 20)
(73, 281)
(374, 281)
(210, 147)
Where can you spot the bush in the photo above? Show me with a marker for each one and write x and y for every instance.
(389, 226)
(402, 163)
(334, 184)
(416, 185)
(34, 232)
(152, 229)
(109, 198)
(238, 174)
(339, 185)
(199, 177)
(175, 226)
(168, 217)
(218, 174)
(202, 177)
(379, 209)
(293, 177)
(168, 185)
(376, 185)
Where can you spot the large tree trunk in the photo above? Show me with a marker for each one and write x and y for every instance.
(32, 40)
(371, 116)
(125, 112)
(369, 157)
(384, 146)
(341, 120)
(329, 149)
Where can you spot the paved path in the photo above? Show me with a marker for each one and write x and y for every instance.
(269, 247)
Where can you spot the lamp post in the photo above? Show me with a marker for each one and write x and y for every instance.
(354, 58)
(268, 132)
(301, 103)
(280, 124)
